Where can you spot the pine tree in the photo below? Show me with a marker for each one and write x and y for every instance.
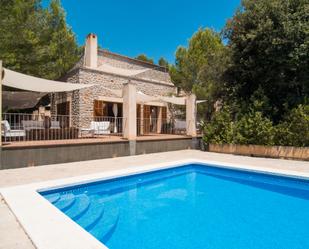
(35, 40)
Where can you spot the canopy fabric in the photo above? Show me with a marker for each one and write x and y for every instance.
(20, 100)
(120, 71)
(34, 84)
(144, 98)
(174, 100)
(200, 101)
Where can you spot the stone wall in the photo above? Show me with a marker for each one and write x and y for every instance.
(154, 72)
(288, 152)
(154, 82)
(17, 157)
(88, 95)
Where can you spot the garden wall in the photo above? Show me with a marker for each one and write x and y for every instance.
(287, 152)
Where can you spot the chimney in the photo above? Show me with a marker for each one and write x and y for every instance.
(91, 51)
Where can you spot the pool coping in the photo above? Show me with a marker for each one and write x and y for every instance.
(41, 220)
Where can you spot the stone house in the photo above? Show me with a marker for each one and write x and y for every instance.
(108, 72)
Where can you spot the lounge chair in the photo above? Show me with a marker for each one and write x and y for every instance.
(7, 132)
(32, 125)
(98, 128)
(180, 126)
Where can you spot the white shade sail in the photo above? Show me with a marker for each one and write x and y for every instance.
(34, 84)
(144, 98)
(174, 100)
(200, 101)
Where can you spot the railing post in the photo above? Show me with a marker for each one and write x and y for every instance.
(191, 115)
(129, 115)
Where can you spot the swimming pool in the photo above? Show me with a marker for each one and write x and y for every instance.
(193, 206)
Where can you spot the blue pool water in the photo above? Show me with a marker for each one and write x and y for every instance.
(191, 207)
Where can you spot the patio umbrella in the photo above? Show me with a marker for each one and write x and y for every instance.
(115, 111)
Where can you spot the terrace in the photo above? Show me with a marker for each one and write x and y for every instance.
(135, 118)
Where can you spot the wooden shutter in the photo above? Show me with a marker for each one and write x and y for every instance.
(164, 113)
(98, 108)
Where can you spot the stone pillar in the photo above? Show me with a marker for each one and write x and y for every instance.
(129, 110)
(159, 119)
(191, 115)
(91, 51)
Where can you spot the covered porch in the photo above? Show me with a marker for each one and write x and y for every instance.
(132, 116)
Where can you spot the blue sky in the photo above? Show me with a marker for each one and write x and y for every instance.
(156, 28)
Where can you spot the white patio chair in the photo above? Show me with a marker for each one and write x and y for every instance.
(180, 126)
(98, 128)
(7, 132)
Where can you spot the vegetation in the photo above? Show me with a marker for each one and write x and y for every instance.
(144, 57)
(199, 68)
(269, 45)
(163, 62)
(254, 128)
(259, 79)
(35, 40)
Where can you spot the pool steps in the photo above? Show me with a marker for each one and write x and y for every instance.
(102, 213)
(107, 224)
(81, 206)
(65, 202)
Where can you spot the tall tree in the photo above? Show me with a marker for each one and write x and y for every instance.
(163, 62)
(144, 57)
(35, 40)
(199, 68)
(269, 44)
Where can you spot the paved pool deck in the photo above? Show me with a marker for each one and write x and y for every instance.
(12, 235)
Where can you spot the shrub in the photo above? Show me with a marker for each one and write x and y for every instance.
(253, 128)
(294, 130)
(220, 129)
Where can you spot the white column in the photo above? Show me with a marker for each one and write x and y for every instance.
(159, 119)
(191, 115)
(129, 110)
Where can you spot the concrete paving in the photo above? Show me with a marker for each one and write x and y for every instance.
(12, 235)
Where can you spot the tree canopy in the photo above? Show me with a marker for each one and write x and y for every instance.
(163, 62)
(144, 57)
(269, 45)
(36, 40)
(199, 67)
(259, 78)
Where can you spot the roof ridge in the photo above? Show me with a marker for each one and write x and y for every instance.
(164, 69)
